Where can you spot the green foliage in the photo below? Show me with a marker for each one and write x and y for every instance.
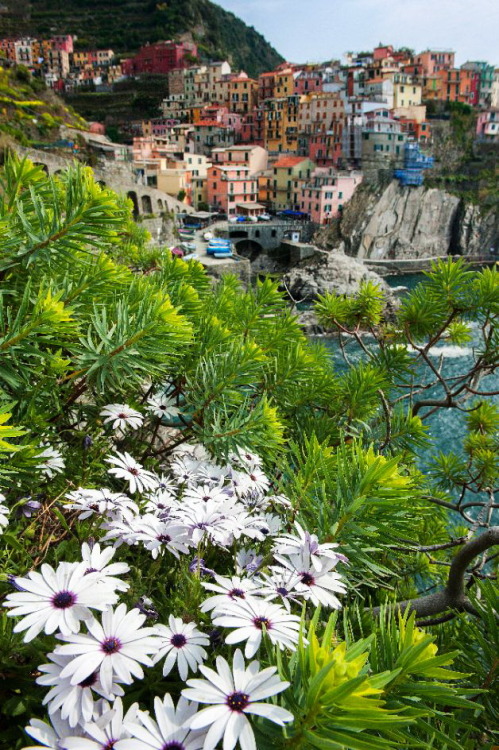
(389, 689)
(91, 314)
(362, 311)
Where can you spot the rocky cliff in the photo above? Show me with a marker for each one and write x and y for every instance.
(397, 222)
(331, 272)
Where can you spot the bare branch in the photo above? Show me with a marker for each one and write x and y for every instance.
(453, 596)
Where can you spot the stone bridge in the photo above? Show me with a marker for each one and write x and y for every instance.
(146, 201)
(251, 239)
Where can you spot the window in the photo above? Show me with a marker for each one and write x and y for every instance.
(327, 208)
(340, 195)
(274, 232)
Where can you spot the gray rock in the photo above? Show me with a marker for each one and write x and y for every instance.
(334, 272)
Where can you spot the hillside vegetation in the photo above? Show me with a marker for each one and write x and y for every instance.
(125, 25)
(29, 112)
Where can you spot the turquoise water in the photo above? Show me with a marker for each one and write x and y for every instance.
(447, 426)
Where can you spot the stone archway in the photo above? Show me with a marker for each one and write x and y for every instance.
(160, 205)
(42, 165)
(248, 249)
(133, 197)
(146, 204)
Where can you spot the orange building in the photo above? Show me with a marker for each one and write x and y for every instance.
(243, 94)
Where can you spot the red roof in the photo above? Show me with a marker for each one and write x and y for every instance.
(266, 75)
(290, 161)
(210, 123)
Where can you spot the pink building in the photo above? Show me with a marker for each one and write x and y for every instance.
(487, 128)
(430, 61)
(382, 52)
(63, 42)
(308, 81)
(326, 192)
(253, 157)
(230, 187)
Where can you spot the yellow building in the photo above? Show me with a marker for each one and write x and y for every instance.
(281, 124)
(284, 83)
(406, 91)
(288, 174)
(243, 94)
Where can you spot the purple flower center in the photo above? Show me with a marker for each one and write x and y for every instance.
(178, 640)
(90, 570)
(307, 579)
(236, 594)
(259, 622)
(122, 416)
(206, 498)
(164, 538)
(133, 471)
(88, 681)
(109, 745)
(111, 646)
(238, 701)
(282, 591)
(63, 600)
(173, 746)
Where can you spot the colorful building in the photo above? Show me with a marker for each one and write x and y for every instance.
(326, 193)
(243, 94)
(161, 57)
(230, 185)
(288, 173)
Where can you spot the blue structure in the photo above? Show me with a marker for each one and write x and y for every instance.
(219, 248)
(414, 164)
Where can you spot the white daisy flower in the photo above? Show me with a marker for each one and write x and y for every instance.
(246, 459)
(108, 732)
(97, 561)
(49, 735)
(234, 694)
(162, 405)
(115, 649)
(213, 474)
(182, 643)
(126, 467)
(320, 586)
(103, 501)
(186, 470)
(250, 616)
(58, 599)
(207, 520)
(228, 590)
(254, 481)
(157, 535)
(247, 561)
(4, 514)
(203, 493)
(75, 702)
(53, 462)
(167, 732)
(122, 417)
(307, 543)
(280, 584)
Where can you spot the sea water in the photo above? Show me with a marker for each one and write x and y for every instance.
(447, 426)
